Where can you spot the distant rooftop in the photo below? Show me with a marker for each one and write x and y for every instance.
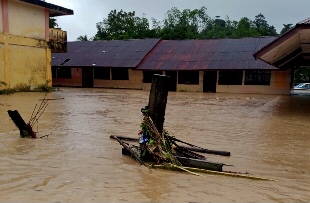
(105, 53)
(54, 10)
(208, 54)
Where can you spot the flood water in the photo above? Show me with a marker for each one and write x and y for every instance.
(268, 136)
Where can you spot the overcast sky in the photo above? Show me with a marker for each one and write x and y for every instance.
(88, 12)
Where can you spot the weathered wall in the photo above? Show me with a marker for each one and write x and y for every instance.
(26, 20)
(75, 81)
(25, 57)
(1, 64)
(27, 66)
(1, 19)
(279, 84)
(135, 81)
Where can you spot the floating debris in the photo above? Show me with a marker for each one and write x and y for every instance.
(26, 129)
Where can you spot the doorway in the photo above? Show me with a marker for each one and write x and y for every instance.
(209, 81)
(172, 84)
(87, 77)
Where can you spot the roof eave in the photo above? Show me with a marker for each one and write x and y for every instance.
(54, 10)
(280, 40)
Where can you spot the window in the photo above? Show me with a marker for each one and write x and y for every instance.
(120, 74)
(148, 76)
(64, 72)
(233, 77)
(188, 77)
(102, 73)
(54, 72)
(257, 77)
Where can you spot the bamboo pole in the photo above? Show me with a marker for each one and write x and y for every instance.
(197, 170)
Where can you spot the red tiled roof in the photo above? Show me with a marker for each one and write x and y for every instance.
(206, 54)
(112, 53)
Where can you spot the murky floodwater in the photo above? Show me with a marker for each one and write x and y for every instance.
(268, 136)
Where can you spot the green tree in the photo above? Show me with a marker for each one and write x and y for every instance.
(82, 38)
(186, 24)
(245, 28)
(302, 74)
(263, 28)
(53, 23)
(286, 28)
(122, 25)
(177, 24)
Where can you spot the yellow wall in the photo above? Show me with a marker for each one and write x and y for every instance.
(279, 84)
(26, 20)
(135, 81)
(27, 66)
(25, 58)
(1, 64)
(1, 20)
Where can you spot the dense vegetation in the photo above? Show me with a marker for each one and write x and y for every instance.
(177, 24)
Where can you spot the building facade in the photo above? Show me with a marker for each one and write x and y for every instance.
(221, 65)
(25, 52)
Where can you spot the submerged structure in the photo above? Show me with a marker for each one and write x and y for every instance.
(26, 42)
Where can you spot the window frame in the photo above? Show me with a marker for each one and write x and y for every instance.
(117, 76)
(188, 77)
(257, 77)
(65, 73)
(225, 77)
(101, 73)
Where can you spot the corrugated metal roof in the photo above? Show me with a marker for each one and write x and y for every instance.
(306, 21)
(206, 54)
(112, 53)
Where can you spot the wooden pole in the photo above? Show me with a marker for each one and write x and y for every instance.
(158, 100)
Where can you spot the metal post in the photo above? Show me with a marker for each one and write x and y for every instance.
(158, 100)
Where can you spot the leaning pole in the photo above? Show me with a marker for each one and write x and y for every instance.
(158, 100)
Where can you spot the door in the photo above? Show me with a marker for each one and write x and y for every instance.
(209, 81)
(172, 84)
(87, 77)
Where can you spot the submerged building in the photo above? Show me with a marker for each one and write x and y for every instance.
(26, 42)
(216, 65)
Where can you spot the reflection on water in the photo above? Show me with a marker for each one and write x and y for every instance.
(267, 135)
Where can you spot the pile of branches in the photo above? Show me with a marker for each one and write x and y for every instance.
(159, 146)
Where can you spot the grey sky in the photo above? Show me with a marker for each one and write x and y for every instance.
(88, 12)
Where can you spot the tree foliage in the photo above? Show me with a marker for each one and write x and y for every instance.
(286, 28)
(53, 23)
(123, 25)
(82, 38)
(178, 24)
(302, 74)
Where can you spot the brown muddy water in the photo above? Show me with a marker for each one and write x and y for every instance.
(268, 136)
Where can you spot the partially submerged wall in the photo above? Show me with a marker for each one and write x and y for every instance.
(24, 55)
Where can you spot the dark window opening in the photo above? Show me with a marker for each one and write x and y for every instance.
(64, 72)
(188, 77)
(54, 72)
(65, 61)
(148, 76)
(257, 77)
(102, 73)
(120, 74)
(230, 77)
